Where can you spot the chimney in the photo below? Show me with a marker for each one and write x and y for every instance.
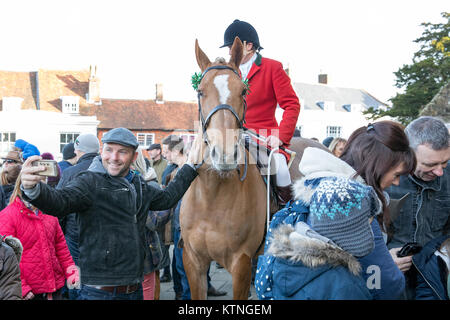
(323, 78)
(94, 87)
(159, 93)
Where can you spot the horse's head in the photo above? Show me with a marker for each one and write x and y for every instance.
(222, 106)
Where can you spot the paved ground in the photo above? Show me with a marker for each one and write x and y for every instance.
(220, 279)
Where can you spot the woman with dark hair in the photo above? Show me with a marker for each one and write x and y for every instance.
(380, 154)
(332, 247)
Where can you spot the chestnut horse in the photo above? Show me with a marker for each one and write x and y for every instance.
(223, 213)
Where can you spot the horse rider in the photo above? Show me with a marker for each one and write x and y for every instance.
(269, 86)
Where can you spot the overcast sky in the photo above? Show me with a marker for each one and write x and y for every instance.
(136, 44)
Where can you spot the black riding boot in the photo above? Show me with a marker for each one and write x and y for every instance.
(284, 194)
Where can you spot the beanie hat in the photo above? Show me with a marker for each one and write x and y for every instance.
(27, 149)
(87, 143)
(326, 142)
(340, 209)
(68, 151)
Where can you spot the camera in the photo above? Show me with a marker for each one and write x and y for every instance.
(51, 167)
(409, 249)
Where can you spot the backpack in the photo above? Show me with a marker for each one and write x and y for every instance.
(293, 212)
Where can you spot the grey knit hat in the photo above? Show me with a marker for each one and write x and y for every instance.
(87, 142)
(340, 209)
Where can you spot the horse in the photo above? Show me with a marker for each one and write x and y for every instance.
(223, 213)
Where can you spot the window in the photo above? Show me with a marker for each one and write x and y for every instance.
(334, 131)
(145, 139)
(70, 104)
(7, 140)
(187, 138)
(66, 137)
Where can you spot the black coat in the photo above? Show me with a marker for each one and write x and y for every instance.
(112, 213)
(68, 224)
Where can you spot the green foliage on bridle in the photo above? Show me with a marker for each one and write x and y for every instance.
(197, 78)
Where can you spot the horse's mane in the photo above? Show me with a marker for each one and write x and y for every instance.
(220, 60)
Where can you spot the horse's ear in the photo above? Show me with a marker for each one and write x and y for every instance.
(237, 53)
(202, 58)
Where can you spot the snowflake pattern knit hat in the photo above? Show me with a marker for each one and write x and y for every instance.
(340, 209)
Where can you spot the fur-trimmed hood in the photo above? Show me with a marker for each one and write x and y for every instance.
(304, 245)
(15, 244)
(317, 163)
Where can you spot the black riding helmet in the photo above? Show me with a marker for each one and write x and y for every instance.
(244, 31)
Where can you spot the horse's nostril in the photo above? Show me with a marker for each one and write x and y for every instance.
(213, 153)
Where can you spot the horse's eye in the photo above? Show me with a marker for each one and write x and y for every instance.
(200, 93)
(244, 92)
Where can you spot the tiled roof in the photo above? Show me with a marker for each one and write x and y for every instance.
(143, 114)
(310, 94)
(112, 113)
(19, 84)
(56, 83)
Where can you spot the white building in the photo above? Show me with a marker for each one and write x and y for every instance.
(331, 111)
(47, 130)
(43, 108)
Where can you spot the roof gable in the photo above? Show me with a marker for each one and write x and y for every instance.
(311, 94)
(56, 83)
(19, 84)
(144, 114)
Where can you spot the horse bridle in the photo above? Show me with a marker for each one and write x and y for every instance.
(205, 122)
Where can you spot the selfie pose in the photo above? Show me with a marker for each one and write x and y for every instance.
(112, 203)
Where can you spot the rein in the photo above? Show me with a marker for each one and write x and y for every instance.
(205, 121)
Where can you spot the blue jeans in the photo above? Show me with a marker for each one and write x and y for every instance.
(178, 253)
(90, 293)
(177, 287)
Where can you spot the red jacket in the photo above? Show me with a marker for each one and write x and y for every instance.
(270, 85)
(46, 259)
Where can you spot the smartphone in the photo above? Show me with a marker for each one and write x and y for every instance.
(409, 249)
(51, 167)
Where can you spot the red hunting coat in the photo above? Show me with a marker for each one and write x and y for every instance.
(270, 85)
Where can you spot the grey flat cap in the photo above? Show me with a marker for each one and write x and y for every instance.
(121, 136)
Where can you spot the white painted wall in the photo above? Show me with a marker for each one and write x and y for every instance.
(314, 122)
(43, 128)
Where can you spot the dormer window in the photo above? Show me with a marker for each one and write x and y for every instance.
(70, 104)
(12, 103)
(326, 105)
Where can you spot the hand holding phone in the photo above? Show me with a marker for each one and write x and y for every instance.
(51, 167)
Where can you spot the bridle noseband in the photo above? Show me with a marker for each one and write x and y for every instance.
(205, 122)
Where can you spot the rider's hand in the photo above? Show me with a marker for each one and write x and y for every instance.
(273, 142)
(29, 176)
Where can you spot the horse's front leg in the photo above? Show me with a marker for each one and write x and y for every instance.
(241, 273)
(196, 270)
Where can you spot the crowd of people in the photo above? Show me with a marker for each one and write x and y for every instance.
(369, 219)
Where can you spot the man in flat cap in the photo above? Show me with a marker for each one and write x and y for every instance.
(157, 162)
(112, 205)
